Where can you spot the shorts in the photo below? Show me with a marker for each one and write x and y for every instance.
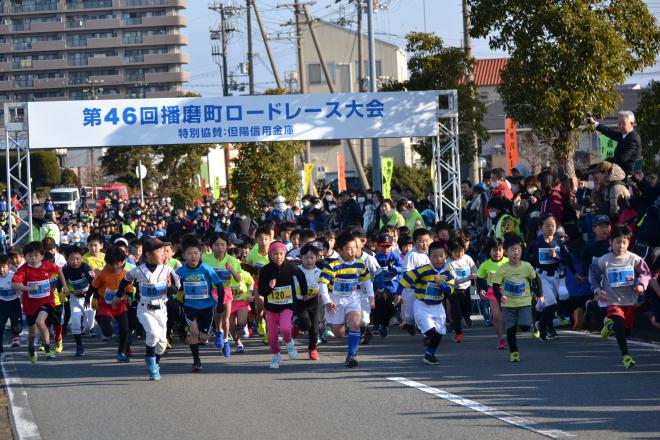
(345, 305)
(490, 295)
(237, 306)
(550, 289)
(229, 297)
(626, 312)
(517, 316)
(204, 318)
(52, 318)
(428, 316)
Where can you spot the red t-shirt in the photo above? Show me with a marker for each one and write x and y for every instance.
(40, 276)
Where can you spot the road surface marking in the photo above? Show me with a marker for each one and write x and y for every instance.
(26, 428)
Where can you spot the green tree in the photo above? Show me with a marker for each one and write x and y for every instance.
(432, 66)
(647, 117)
(120, 162)
(566, 59)
(418, 179)
(264, 170)
(44, 169)
(69, 178)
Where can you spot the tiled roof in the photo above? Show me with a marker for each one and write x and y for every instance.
(487, 71)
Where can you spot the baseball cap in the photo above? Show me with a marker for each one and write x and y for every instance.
(602, 219)
(153, 244)
(384, 240)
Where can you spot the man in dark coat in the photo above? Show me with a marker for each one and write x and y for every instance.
(629, 144)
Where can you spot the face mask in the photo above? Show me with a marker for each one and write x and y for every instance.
(591, 184)
(492, 214)
(305, 204)
(328, 198)
(318, 206)
(360, 199)
(532, 189)
(494, 184)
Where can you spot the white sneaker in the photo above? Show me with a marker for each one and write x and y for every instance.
(275, 361)
(246, 332)
(291, 349)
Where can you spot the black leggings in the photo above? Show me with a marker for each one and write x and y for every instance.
(105, 322)
(547, 317)
(511, 336)
(10, 310)
(122, 323)
(384, 309)
(621, 333)
(307, 313)
(174, 315)
(461, 307)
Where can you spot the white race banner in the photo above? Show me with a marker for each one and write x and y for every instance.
(163, 121)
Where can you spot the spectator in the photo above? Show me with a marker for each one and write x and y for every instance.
(628, 151)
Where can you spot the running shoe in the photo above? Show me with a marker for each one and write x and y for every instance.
(16, 342)
(431, 359)
(219, 339)
(291, 350)
(155, 375)
(226, 349)
(501, 345)
(92, 333)
(50, 354)
(240, 348)
(515, 356)
(197, 367)
(536, 333)
(458, 338)
(607, 328)
(275, 361)
(552, 335)
(314, 354)
(586, 318)
(264, 339)
(59, 346)
(32, 357)
(122, 358)
(351, 361)
(246, 332)
(80, 350)
(328, 332)
(42, 348)
(383, 331)
(261, 327)
(628, 361)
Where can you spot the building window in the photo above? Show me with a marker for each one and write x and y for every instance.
(365, 69)
(315, 73)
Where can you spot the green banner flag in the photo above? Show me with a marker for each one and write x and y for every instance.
(387, 170)
(607, 147)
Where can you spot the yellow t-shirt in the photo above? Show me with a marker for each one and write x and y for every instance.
(96, 263)
(515, 283)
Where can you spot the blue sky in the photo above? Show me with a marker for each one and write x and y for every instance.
(397, 18)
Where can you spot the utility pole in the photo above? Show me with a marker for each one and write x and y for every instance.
(264, 35)
(376, 175)
(360, 69)
(248, 14)
(467, 43)
(220, 54)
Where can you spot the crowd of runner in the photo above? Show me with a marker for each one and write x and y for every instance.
(533, 253)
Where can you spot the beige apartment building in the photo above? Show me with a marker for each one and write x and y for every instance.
(91, 49)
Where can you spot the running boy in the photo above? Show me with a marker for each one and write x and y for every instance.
(33, 279)
(466, 272)
(10, 305)
(618, 278)
(307, 307)
(513, 284)
(80, 277)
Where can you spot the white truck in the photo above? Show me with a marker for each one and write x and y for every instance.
(66, 199)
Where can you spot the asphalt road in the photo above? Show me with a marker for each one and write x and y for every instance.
(574, 386)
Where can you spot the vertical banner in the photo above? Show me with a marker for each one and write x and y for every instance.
(202, 184)
(387, 171)
(511, 141)
(307, 178)
(216, 188)
(607, 147)
(341, 172)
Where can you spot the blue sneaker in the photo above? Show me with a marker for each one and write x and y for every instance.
(122, 358)
(219, 339)
(226, 349)
(155, 375)
(152, 366)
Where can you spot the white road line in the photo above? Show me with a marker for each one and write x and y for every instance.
(634, 343)
(26, 428)
(476, 406)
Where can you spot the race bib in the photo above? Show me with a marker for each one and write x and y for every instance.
(433, 292)
(110, 295)
(79, 285)
(39, 289)
(544, 255)
(7, 293)
(224, 275)
(281, 296)
(152, 291)
(621, 276)
(345, 287)
(514, 289)
(463, 272)
(312, 292)
(196, 289)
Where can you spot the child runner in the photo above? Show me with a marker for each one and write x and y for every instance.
(386, 295)
(198, 279)
(495, 250)
(96, 260)
(240, 305)
(417, 257)
(466, 272)
(374, 268)
(228, 269)
(432, 283)
(513, 284)
(79, 276)
(10, 305)
(277, 285)
(106, 284)
(307, 306)
(338, 288)
(258, 258)
(33, 279)
(618, 278)
(156, 282)
(596, 248)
